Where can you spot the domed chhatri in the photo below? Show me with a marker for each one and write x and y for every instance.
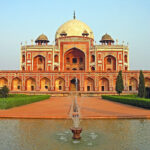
(63, 33)
(42, 39)
(85, 33)
(107, 39)
(74, 27)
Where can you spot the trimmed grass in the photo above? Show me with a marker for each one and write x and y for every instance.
(129, 99)
(20, 99)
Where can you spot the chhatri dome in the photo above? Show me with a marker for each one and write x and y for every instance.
(106, 37)
(74, 27)
(42, 38)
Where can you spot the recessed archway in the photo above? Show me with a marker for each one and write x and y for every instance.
(103, 84)
(92, 68)
(55, 68)
(30, 84)
(133, 84)
(74, 85)
(59, 84)
(125, 59)
(74, 58)
(92, 58)
(56, 58)
(16, 84)
(44, 84)
(23, 58)
(109, 63)
(89, 84)
(23, 68)
(39, 63)
(3, 82)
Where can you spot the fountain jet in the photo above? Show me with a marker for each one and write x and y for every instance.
(75, 115)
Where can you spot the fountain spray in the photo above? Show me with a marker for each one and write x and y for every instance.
(75, 115)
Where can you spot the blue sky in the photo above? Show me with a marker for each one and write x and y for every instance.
(125, 20)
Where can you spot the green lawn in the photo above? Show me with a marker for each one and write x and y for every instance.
(20, 99)
(129, 99)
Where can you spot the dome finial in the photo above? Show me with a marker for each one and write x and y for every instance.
(74, 15)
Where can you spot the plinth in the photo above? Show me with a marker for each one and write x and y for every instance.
(76, 133)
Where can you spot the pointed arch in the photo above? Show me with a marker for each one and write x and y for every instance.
(109, 63)
(56, 58)
(56, 68)
(3, 82)
(88, 84)
(125, 58)
(44, 84)
(74, 58)
(39, 63)
(16, 84)
(133, 84)
(92, 68)
(59, 84)
(30, 84)
(103, 84)
(92, 58)
(23, 58)
(73, 85)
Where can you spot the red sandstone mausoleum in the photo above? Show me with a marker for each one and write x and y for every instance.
(53, 68)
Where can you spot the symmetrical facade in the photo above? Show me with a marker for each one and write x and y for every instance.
(47, 67)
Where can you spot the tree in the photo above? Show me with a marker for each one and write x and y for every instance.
(141, 87)
(119, 83)
(4, 92)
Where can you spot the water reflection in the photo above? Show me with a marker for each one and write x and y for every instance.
(30, 134)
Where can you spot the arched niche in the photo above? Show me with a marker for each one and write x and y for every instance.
(103, 84)
(39, 63)
(89, 84)
(109, 63)
(55, 68)
(30, 84)
(125, 58)
(3, 82)
(23, 68)
(74, 84)
(56, 58)
(44, 84)
(16, 84)
(23, 58)
(92, 68)
(92, 58)
(133, 84)
(59, 84)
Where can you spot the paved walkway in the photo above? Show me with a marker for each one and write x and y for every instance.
(90, 107)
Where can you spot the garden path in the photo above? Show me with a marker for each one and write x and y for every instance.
(90, 107)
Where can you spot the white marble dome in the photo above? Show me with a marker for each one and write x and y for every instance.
(74, 27)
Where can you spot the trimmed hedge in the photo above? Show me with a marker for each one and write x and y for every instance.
(20, 99)
(129, 99)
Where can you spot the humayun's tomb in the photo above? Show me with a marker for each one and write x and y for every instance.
(53, 68)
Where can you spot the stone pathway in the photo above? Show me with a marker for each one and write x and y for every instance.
(90, 107)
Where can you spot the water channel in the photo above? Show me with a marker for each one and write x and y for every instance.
(107, 134)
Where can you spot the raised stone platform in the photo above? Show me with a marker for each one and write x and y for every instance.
(70, 93)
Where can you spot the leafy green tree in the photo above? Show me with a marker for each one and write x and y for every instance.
(141, 87)
(119, 83)
(4, 92)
